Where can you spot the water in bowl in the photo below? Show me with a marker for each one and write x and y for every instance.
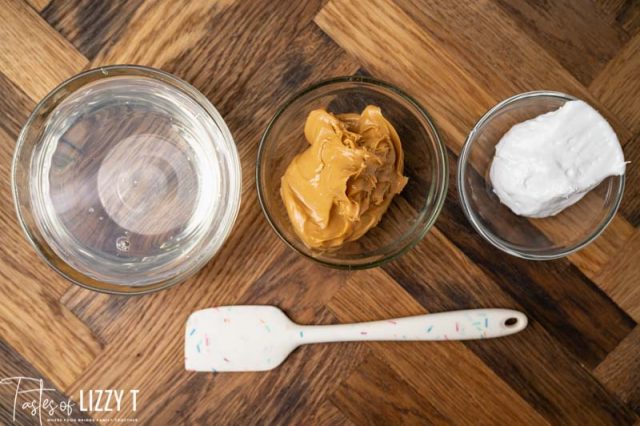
(128, 179)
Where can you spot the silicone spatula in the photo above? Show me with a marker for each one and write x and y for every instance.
(258, 338)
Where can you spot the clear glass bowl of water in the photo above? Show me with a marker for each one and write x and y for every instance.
(126, 179)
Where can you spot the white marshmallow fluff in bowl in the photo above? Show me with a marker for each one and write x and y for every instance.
(541, 175)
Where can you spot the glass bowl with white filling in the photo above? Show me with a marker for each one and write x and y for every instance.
(541, 175)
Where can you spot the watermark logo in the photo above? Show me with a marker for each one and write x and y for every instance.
(33, 399)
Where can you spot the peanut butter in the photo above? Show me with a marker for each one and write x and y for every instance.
(339, 187)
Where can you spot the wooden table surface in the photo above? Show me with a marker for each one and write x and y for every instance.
(577, 363)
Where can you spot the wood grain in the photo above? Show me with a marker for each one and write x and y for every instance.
(149, 38)
(32, 54)
(15, 252)
(447, 373)
(583, 48)
(90, 26)
(625, 12)
(630, 206)
(15, 107)
(451, 281)
(329, 415)
(14, 366)
(538, 285)
(488, 43)
(621, 276)
(592, 259)
(576, 363)
(440, 80)
(38, 5)
(42, 330)
(620, 371)
(34, 322)
(618, 82)
(374, 393)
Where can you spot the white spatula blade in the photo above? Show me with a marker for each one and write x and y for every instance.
(237, 338)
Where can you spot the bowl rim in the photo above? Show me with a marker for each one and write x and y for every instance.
(471, 215)
(439, 195)
(123, 289)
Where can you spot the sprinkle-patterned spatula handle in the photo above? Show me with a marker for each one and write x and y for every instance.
(455, 325)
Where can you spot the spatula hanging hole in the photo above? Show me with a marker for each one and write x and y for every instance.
(510, 322)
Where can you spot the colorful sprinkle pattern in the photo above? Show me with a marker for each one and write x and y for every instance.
(254, 338)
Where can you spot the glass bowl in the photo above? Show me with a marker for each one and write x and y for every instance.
(411, 213)
(126, 179)
(536, 239)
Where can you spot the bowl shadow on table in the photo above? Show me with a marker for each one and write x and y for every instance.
(535, 236)
(405, 215)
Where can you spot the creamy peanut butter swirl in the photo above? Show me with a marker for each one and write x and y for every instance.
(339, 187)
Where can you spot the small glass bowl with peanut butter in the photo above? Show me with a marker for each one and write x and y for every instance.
(351, 172)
